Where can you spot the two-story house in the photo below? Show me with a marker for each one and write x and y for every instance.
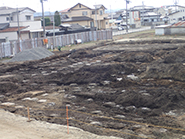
(14, 20)
(148, 17)
(178, 15)
(86, 16)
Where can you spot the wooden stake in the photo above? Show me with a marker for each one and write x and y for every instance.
(67, 119)
(28, 110)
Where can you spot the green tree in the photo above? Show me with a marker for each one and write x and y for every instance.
(47, 21)
(57, 18)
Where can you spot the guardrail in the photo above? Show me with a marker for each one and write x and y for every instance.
(121, 32)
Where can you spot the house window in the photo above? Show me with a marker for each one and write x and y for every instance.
(93, 12)
(180, 19)
(28, 17)
(101, 12)
(84, 13)
(11, 18)
(79, 5)
(106, 23)
(7, 18)
(35, 35)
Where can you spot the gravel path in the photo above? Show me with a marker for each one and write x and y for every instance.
(16, 127)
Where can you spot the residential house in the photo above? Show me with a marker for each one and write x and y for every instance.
(86, 16)
(14, 20)
(150, 18)
(161, 11)
(147, 15)
(178, 15)
(115, 19)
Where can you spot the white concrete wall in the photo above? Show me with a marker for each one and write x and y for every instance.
(159, 31)
(177, 30)
(32, 24)
(11, 35)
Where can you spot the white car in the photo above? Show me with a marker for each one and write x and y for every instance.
(120, 28)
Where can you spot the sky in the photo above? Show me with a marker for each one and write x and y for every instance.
(58, 5)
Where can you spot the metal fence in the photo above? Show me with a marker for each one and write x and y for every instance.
(12, 48)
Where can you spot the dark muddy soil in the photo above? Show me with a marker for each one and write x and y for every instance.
(145, 85)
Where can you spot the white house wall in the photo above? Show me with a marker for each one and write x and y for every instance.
(33, 25)
(174, 17)
(3, 19)
(23, 14)
(24, 36)
(11, 35)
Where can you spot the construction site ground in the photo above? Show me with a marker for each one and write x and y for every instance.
(130, 87)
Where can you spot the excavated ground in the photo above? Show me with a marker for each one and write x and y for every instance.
(142, 82)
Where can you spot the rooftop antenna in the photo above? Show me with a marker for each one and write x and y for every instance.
(143, 3)
(175, 3)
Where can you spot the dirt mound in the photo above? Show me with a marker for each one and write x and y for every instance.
(97, 74)
(135, 57)
(175, 56)
(6, 87)
(31, 54)
(170, 66)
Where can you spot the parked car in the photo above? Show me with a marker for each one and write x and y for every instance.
(114, 27)
(120, 28)
(124, 26)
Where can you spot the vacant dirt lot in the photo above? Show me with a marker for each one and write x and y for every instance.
(130, 83)
(16, 127)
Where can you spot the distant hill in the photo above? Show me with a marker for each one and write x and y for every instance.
(45, 13)
(112, 10)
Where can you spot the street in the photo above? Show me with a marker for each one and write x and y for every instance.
(120, 32)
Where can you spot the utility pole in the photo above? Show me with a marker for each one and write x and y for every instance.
(96, 17)
(17, 23)
(18, 28)
(127, 2)
(142, 12)
(43, 19)
(53, 31)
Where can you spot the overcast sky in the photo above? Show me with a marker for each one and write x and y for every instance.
(57, 5)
